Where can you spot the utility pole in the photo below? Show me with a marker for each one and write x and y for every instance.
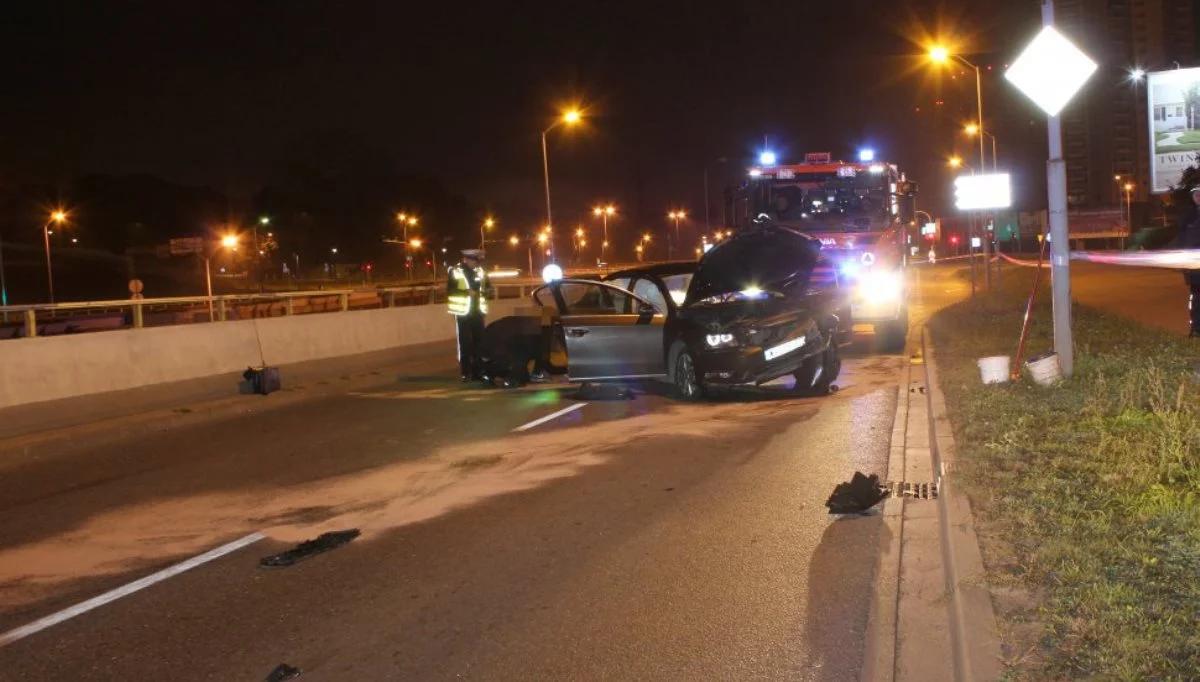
(1060, 268)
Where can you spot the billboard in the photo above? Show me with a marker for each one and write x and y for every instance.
(1173, 98)
(975, 192)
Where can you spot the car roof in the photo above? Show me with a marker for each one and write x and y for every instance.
(658, 270)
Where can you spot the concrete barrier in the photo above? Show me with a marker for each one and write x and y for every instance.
(49, 368)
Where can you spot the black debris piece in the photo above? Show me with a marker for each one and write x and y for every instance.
(262, 380)
(308, 548)
(857, 496)
(283, 672)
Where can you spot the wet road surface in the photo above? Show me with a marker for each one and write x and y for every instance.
(627, 538)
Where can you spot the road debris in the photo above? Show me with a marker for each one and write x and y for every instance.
(856, 496)
(282, 672)
(308, 548)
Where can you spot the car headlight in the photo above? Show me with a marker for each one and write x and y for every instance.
(880, 286)
(720, 340)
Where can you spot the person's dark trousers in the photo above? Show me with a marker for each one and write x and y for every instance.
(1193, 280)
(470, 336)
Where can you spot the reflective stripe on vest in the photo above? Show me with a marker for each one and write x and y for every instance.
(460, 303)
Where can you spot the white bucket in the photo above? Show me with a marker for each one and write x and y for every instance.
(994, 369)
(1044, 369)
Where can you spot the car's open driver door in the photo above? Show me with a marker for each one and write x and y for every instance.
(609, 332)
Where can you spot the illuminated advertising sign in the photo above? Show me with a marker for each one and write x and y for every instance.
(1173, 98)
(979, 192)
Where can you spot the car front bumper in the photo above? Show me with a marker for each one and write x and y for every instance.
(749, 365)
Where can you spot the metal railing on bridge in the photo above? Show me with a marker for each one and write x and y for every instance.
(27, 321)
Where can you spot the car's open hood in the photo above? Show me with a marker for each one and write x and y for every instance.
(769, 258)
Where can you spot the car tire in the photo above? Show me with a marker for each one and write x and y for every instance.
(817, 374)
(687, 385)
(893, 335)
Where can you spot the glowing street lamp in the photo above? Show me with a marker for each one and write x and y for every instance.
(230, 241)
(57, 217)
(972, 129)
(514, 240)
(569, 118)
(488, 223)
(1050, 71)
(604, 212)
(940, 54)
(675, 216)
(1128, 187)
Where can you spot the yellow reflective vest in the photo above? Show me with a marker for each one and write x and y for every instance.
(466, 290)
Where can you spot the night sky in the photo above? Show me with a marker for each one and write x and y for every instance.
(218, 94)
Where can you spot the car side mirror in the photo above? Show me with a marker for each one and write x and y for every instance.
(646, 310)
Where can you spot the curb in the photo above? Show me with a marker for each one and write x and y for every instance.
(931, 616)
(977, 647)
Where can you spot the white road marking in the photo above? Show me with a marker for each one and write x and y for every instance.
(543, 420)
(125, 590)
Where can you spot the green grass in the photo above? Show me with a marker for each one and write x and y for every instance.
(1087, 494)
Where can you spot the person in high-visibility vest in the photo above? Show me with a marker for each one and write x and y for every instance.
(467, 290)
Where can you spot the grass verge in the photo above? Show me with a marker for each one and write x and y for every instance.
(1087, 494)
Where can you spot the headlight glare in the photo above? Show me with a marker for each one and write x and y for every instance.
(718, 340)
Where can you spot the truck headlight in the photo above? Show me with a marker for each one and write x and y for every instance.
(720, 340)
(880, 286)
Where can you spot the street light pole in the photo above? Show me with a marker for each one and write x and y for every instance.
(707, 210)
(208, 288)
(987, 264)
(58, 217)
(546, 172)
(570, 117)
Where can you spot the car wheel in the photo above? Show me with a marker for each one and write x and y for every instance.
(818, 372)
(687, 385)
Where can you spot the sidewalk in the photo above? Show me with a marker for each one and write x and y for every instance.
(85, 419)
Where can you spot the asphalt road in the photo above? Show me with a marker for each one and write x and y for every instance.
(1157, 298)
(626, 539)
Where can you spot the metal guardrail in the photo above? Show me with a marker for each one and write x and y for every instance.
(28, 321)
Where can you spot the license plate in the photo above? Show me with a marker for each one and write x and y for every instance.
(784, 348)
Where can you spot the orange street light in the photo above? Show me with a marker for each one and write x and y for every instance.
(488, 223)
(230, 241)
(57, 216)
(514, 240)
(569, 118)
(939, 54)
(415, 243)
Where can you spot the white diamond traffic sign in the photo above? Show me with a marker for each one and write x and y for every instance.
(1050, 70)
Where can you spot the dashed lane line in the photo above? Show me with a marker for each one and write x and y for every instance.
(549, 417)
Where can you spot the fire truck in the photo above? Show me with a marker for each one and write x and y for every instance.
(860, 211)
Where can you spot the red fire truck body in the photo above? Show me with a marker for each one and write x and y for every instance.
(861, 212)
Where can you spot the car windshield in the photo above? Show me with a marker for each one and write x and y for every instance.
(826, 202)
(677, 286)
(757, 264)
